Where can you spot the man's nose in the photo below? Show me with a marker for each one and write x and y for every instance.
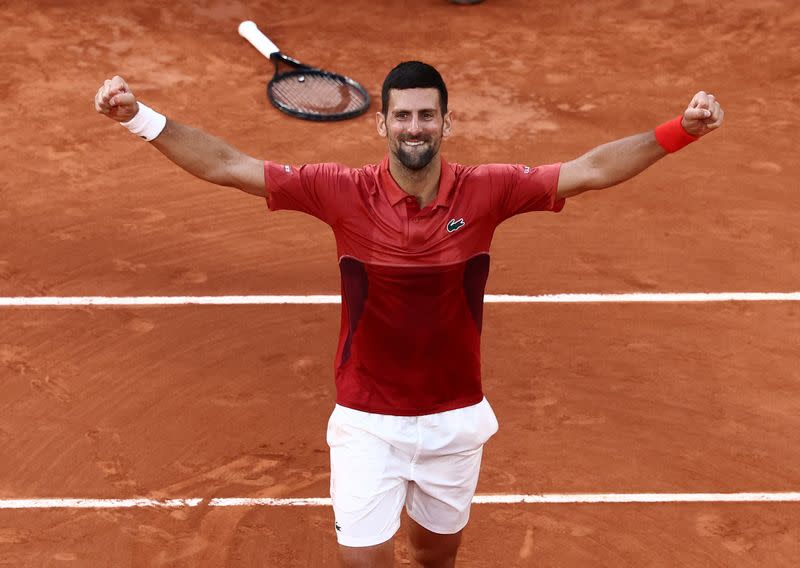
(414, 127)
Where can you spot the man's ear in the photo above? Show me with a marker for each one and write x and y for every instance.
(447, 126)
(380, 124)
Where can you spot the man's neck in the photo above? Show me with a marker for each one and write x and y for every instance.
(422, 184)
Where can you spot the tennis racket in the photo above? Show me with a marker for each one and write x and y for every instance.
(304, 91)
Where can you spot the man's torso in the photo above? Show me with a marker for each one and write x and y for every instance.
(412, 280)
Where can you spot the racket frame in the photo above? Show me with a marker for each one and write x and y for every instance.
(301, 69)
(267, 48)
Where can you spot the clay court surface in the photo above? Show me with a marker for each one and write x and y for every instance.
(232, 401)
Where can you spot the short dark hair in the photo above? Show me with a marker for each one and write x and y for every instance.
(413, 75)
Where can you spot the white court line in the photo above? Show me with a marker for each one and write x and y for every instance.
(96, 503)
(772, 497)
(551, 498)
(55, 301)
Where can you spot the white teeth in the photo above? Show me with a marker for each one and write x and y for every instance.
(413, 143)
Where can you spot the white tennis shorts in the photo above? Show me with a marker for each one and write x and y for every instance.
(429, 463)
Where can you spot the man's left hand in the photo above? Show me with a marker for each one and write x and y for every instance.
(702, 115)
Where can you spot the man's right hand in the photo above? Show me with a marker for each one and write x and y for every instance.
(115, 100)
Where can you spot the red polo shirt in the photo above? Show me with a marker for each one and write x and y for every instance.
(412, 280)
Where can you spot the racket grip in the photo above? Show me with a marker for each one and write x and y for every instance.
(249, 31)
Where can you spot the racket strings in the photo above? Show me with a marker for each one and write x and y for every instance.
(318, 93)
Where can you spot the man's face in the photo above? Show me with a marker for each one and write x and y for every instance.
(414, 126)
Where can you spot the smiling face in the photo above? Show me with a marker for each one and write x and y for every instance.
(414, 126)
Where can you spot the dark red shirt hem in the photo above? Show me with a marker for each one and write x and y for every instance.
(416, 411)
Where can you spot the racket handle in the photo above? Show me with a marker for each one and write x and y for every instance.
(249, 31)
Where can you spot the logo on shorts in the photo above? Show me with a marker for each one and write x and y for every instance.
(454, 225)
(526, 170)
(337, 525)
(287, 168)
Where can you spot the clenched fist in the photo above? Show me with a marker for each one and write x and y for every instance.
(702, 115)
(115, 100)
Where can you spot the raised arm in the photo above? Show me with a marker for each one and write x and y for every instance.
(197, 152)
(614, 162)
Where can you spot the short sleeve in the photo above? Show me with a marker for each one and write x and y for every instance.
(311, 188)
(518, 189)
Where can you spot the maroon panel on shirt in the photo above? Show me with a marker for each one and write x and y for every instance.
(355, 287)
(411, 341)
(476, 272)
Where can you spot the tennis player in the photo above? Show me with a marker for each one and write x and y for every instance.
(412, 235)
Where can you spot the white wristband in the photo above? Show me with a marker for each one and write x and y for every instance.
(147, 123)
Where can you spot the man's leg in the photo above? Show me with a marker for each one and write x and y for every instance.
(430, 549)
(443, 480)
(368, 483)
(378, 556)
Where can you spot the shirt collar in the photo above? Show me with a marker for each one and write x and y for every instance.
(395, 193)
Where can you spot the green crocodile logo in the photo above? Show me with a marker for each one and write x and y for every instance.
(454, 225)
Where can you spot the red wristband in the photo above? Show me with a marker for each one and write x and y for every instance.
(672, 136)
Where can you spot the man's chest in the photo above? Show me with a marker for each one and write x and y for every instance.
(403, 232)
